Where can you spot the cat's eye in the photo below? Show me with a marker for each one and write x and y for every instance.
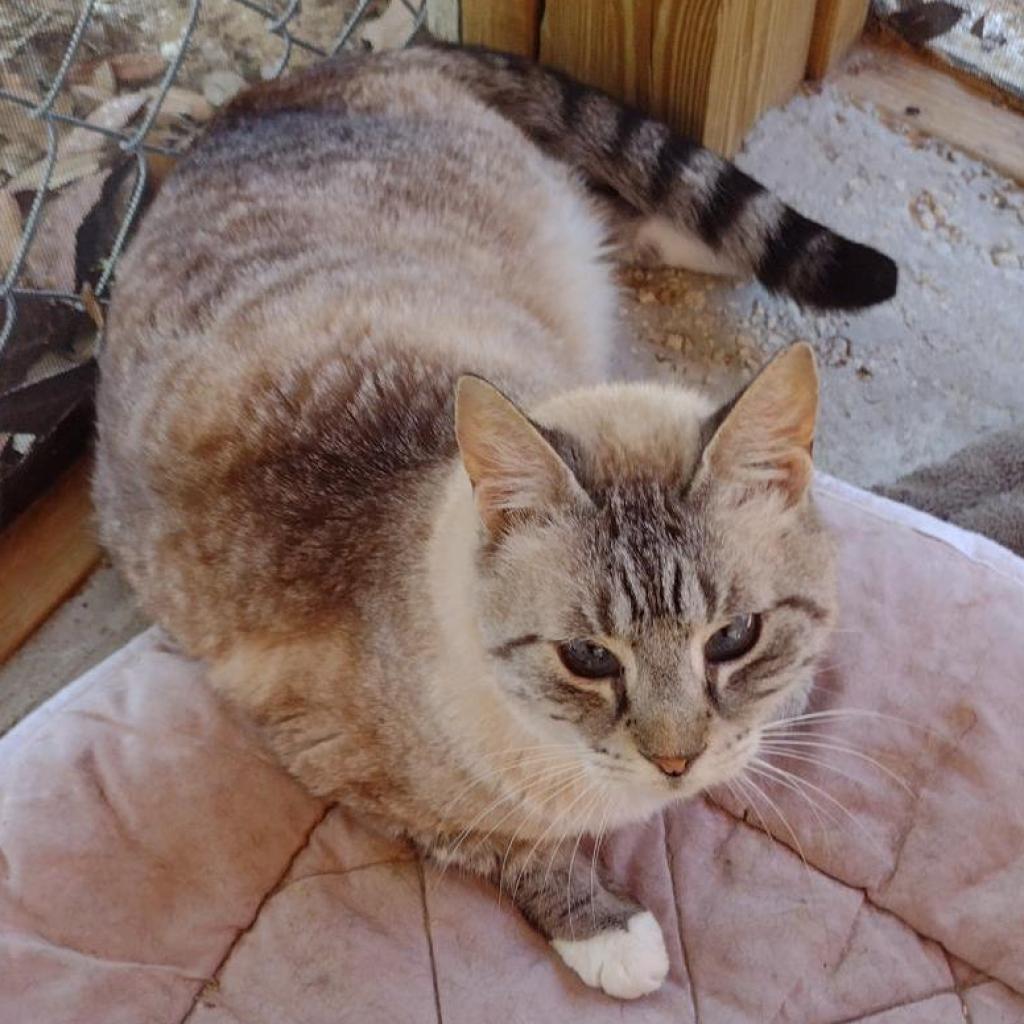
(589, 660)
(734, 640)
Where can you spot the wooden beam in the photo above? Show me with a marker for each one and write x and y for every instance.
(717, 64)
(932, 100)
(510, 25)
(837, 26)
(44, 555)
(605, 43)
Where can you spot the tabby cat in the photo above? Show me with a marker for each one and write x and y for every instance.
(356, 451)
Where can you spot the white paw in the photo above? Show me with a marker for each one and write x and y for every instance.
(625, 963)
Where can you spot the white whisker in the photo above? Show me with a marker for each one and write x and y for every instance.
(541, 778)
(841, 748)
(775, 807)
(742, 783)
(817, 810)
(846, 713)
(776, 771)
(540, 839)
(597, 848)
(595, 800)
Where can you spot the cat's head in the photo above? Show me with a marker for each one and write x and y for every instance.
(652, 581)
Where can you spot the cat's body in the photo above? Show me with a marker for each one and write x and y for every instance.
(279, 473)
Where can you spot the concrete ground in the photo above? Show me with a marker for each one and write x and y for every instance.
(904, 384)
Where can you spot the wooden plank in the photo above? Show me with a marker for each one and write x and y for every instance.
(510, 25)
(914, 94)
(605, 43)
(837, 26)
(717, 64)
(44, 555)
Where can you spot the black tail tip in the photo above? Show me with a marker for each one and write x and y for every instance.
(856, 276)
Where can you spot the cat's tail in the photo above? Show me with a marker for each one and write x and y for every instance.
(661, 174)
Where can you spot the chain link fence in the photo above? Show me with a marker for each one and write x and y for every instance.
(97, 100)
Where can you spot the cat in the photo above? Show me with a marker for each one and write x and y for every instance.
(357, 450)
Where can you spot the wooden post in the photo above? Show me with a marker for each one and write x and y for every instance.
(717, 64)
(605, 43)
(510, 25)
(707, 67)
(837, 26)
(44, 555)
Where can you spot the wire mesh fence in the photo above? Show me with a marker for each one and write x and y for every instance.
(97, 100)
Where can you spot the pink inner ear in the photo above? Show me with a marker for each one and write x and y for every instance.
(798, 469)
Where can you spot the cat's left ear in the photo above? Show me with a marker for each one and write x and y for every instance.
(765, 438)
(513, 469)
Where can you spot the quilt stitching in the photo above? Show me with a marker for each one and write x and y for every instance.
(870, 901)
(670, 863)
(242, 932)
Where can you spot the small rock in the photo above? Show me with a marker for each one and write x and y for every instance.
(646, 297)
(1004, 255)
(676, 342)
(221, 86)
(836, 350)
(925, 211)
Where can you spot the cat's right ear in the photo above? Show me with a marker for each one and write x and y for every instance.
(763, 440)
(513, 469)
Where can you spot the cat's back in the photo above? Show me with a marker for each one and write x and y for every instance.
(290, 320)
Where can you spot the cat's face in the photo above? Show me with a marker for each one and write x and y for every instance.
(649, 596)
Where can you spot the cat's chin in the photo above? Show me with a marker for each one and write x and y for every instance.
(635, 802)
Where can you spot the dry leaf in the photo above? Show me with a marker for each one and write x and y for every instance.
(10, 231)
(12, 82)
(182, 103)
(16, 156)
(87, 97)
(67, 168)
(221, 86)
(158, 166)
(92, 306)
(51, 260)
(103, 80)
(114, 115)
(137, 68)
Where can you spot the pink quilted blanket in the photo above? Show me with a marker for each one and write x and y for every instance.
(155, 867)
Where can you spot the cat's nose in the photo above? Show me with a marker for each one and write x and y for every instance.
(673, 766)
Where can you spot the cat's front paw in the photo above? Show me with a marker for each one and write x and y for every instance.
(625, 962)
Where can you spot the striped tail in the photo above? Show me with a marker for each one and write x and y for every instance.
(662, 174)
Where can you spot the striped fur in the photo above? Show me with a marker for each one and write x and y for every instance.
(308, 481)
(656, 172)
(660, 173)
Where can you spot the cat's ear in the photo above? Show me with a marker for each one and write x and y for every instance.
(765, 437)
(513, 469)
